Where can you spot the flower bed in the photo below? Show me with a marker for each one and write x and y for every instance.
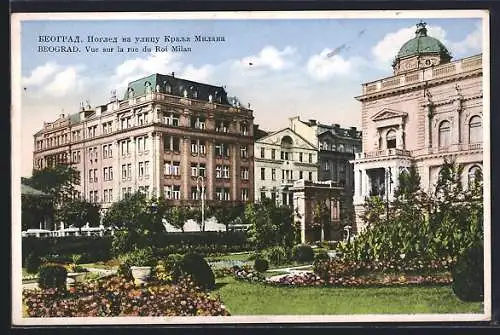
(115, 296)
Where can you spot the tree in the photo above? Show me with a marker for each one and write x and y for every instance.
(58, 181)
(80, 212)
(177, 216)
(270, 225)
(228, 215)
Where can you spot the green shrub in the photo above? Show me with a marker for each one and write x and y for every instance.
(303, 253)
(468, 275)
(139, 257)
(32, 262)
(194, 265)
(52, 276)
(322, 256)
(261, 265)
(277, 255)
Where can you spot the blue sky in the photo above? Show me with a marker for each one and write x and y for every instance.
(290, 72)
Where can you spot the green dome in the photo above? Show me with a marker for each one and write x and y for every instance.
(423, 44)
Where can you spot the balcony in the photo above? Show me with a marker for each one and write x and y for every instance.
(383, 153)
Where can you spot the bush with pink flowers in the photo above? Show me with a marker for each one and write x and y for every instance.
(116, 296)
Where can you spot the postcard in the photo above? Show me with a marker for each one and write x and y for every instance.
(250, 167)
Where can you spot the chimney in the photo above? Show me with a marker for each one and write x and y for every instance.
(61, 116)
(312, 122)
(336, 125)
(173, 74)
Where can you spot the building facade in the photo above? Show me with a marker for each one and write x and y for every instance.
(167, 136)
(281, 158)
(336, 147)
(429, 110)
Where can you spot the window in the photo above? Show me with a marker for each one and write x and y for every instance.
(198, 122)
(225, 171)
(475, 130)
(201, 170)
(326, 166)
(262, 173)
(273, 174)
(221, 149)
(262, 195)
(146, 168)
(91, 176)
(141, 169)
(125, 147)
(106, 196)
(273, 153)
(244, 151)
(194, 193)
(95, 175)
(390, 138)
(167, 192)
(244, 173)
(124, 192)
(262, 153)
(227, 195)
(218, 193)
(129, 171)
(140, 144)
(172, 119)
(194, 170)
(105, 151)
(310, 158)
(310, 175)
(221, 126)
(244, 129)
(300, 157)
(202, 148)
(475, 174)
(176, 192)
(244, 194)
(218, 171)
(301, 174)
(110, 171)
(172, 168)
(194, 146)
(124, 171)
(444, 134)
(106, 174)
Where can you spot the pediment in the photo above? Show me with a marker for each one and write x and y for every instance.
(388, 113)
(276, 138)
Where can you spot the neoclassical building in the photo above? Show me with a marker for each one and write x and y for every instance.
(281, 158)
(429, 109)
(167, 136)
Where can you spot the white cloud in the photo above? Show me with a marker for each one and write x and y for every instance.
(321, 67)
(63, 83)
(40, 74)
(387, 49)
(472, 42)
(269, 58)
(201, 74)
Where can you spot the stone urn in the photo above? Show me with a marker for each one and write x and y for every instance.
(75, 277)
(140, 274)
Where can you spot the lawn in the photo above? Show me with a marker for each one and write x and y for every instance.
(242, 298)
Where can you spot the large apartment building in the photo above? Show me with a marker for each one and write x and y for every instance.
(430, 109)
(167, 136)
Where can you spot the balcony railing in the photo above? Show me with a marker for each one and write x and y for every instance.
(383, 153)
(460, 66)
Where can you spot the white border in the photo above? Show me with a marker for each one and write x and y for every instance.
(16, 107)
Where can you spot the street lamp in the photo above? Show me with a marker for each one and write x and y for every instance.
(388, 178)
(200, 178)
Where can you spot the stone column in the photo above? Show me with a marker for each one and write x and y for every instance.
(185, 167)
(133, 153)
(399, 137)
(235, 168)
(428, 126)
(156, 163)
(117, 171)
(210, 170)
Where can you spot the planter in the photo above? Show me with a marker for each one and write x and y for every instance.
(75, 277)
(140, 274)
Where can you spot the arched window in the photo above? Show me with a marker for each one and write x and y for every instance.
(390, 138)
(168, 89)
(475, 172)
(475, 129)
(286, 142)
(444, 134)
